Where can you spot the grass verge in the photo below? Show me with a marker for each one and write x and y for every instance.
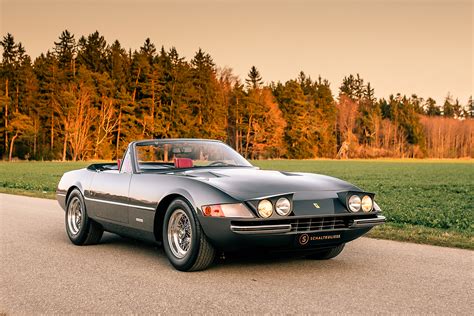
(423, 235)
(39, 194)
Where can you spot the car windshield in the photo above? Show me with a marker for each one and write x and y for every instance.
(174, 154)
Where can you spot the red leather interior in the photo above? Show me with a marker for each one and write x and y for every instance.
(183, 163)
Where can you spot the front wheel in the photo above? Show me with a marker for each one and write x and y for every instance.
(80, 229)
(326, 253)
(184, 242)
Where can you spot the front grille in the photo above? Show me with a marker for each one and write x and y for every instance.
(318, 223)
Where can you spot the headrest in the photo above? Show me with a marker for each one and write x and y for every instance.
(183, 163)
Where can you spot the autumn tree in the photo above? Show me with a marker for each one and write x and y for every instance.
(20, 126)
(9, 55)
(19, 95)
(448, 137)
(266, 128)
(347, 113)
(105, 119)
(77, 115)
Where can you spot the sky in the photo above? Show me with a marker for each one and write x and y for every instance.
(407, 46)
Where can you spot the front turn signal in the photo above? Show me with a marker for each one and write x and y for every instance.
(227, 210)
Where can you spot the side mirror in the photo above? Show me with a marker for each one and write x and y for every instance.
(119, 164)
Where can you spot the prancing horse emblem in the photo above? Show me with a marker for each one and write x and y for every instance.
(316, 205)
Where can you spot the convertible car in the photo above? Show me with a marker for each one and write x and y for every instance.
(199, 198)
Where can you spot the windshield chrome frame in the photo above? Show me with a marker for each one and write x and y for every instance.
(136, 168)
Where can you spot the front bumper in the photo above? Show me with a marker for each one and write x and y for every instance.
(283, 234)
(287, 228)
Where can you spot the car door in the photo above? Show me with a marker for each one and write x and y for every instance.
(108, 197)
(145, 191)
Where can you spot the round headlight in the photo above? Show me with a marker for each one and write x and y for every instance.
(283, 206)
(265, 208)
(354, 203)
(367, 203)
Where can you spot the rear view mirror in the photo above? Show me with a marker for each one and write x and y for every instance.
(182, 150)
(187, 149)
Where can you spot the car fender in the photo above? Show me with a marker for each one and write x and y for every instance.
(80, 179)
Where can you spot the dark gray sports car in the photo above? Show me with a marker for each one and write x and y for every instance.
(198, 197)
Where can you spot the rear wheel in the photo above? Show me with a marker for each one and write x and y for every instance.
(184, 242)
(80, 229)
(326, 253)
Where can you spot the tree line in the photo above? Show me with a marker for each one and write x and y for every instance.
(87, 99)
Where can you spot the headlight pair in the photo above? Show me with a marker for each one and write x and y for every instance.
(282, 207)
(355, 203)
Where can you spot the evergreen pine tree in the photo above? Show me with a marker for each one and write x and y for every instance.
(254, 80)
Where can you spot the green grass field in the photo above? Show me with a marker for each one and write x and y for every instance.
(424, 201)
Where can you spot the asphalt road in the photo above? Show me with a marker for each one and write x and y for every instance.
(42, 272)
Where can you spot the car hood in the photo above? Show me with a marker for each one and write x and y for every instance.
(253, 183)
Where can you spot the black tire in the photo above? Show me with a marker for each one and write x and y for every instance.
(199, 253)
(83, 231)
(326, 253)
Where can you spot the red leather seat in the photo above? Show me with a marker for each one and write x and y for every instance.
(183, 163)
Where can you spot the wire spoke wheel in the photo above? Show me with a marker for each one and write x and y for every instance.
(179, 233)
(74, 216)
(184, 241)
(80, 229)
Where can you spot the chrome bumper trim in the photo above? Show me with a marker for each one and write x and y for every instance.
(261, 229)
(120, 204)
(368, 222)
